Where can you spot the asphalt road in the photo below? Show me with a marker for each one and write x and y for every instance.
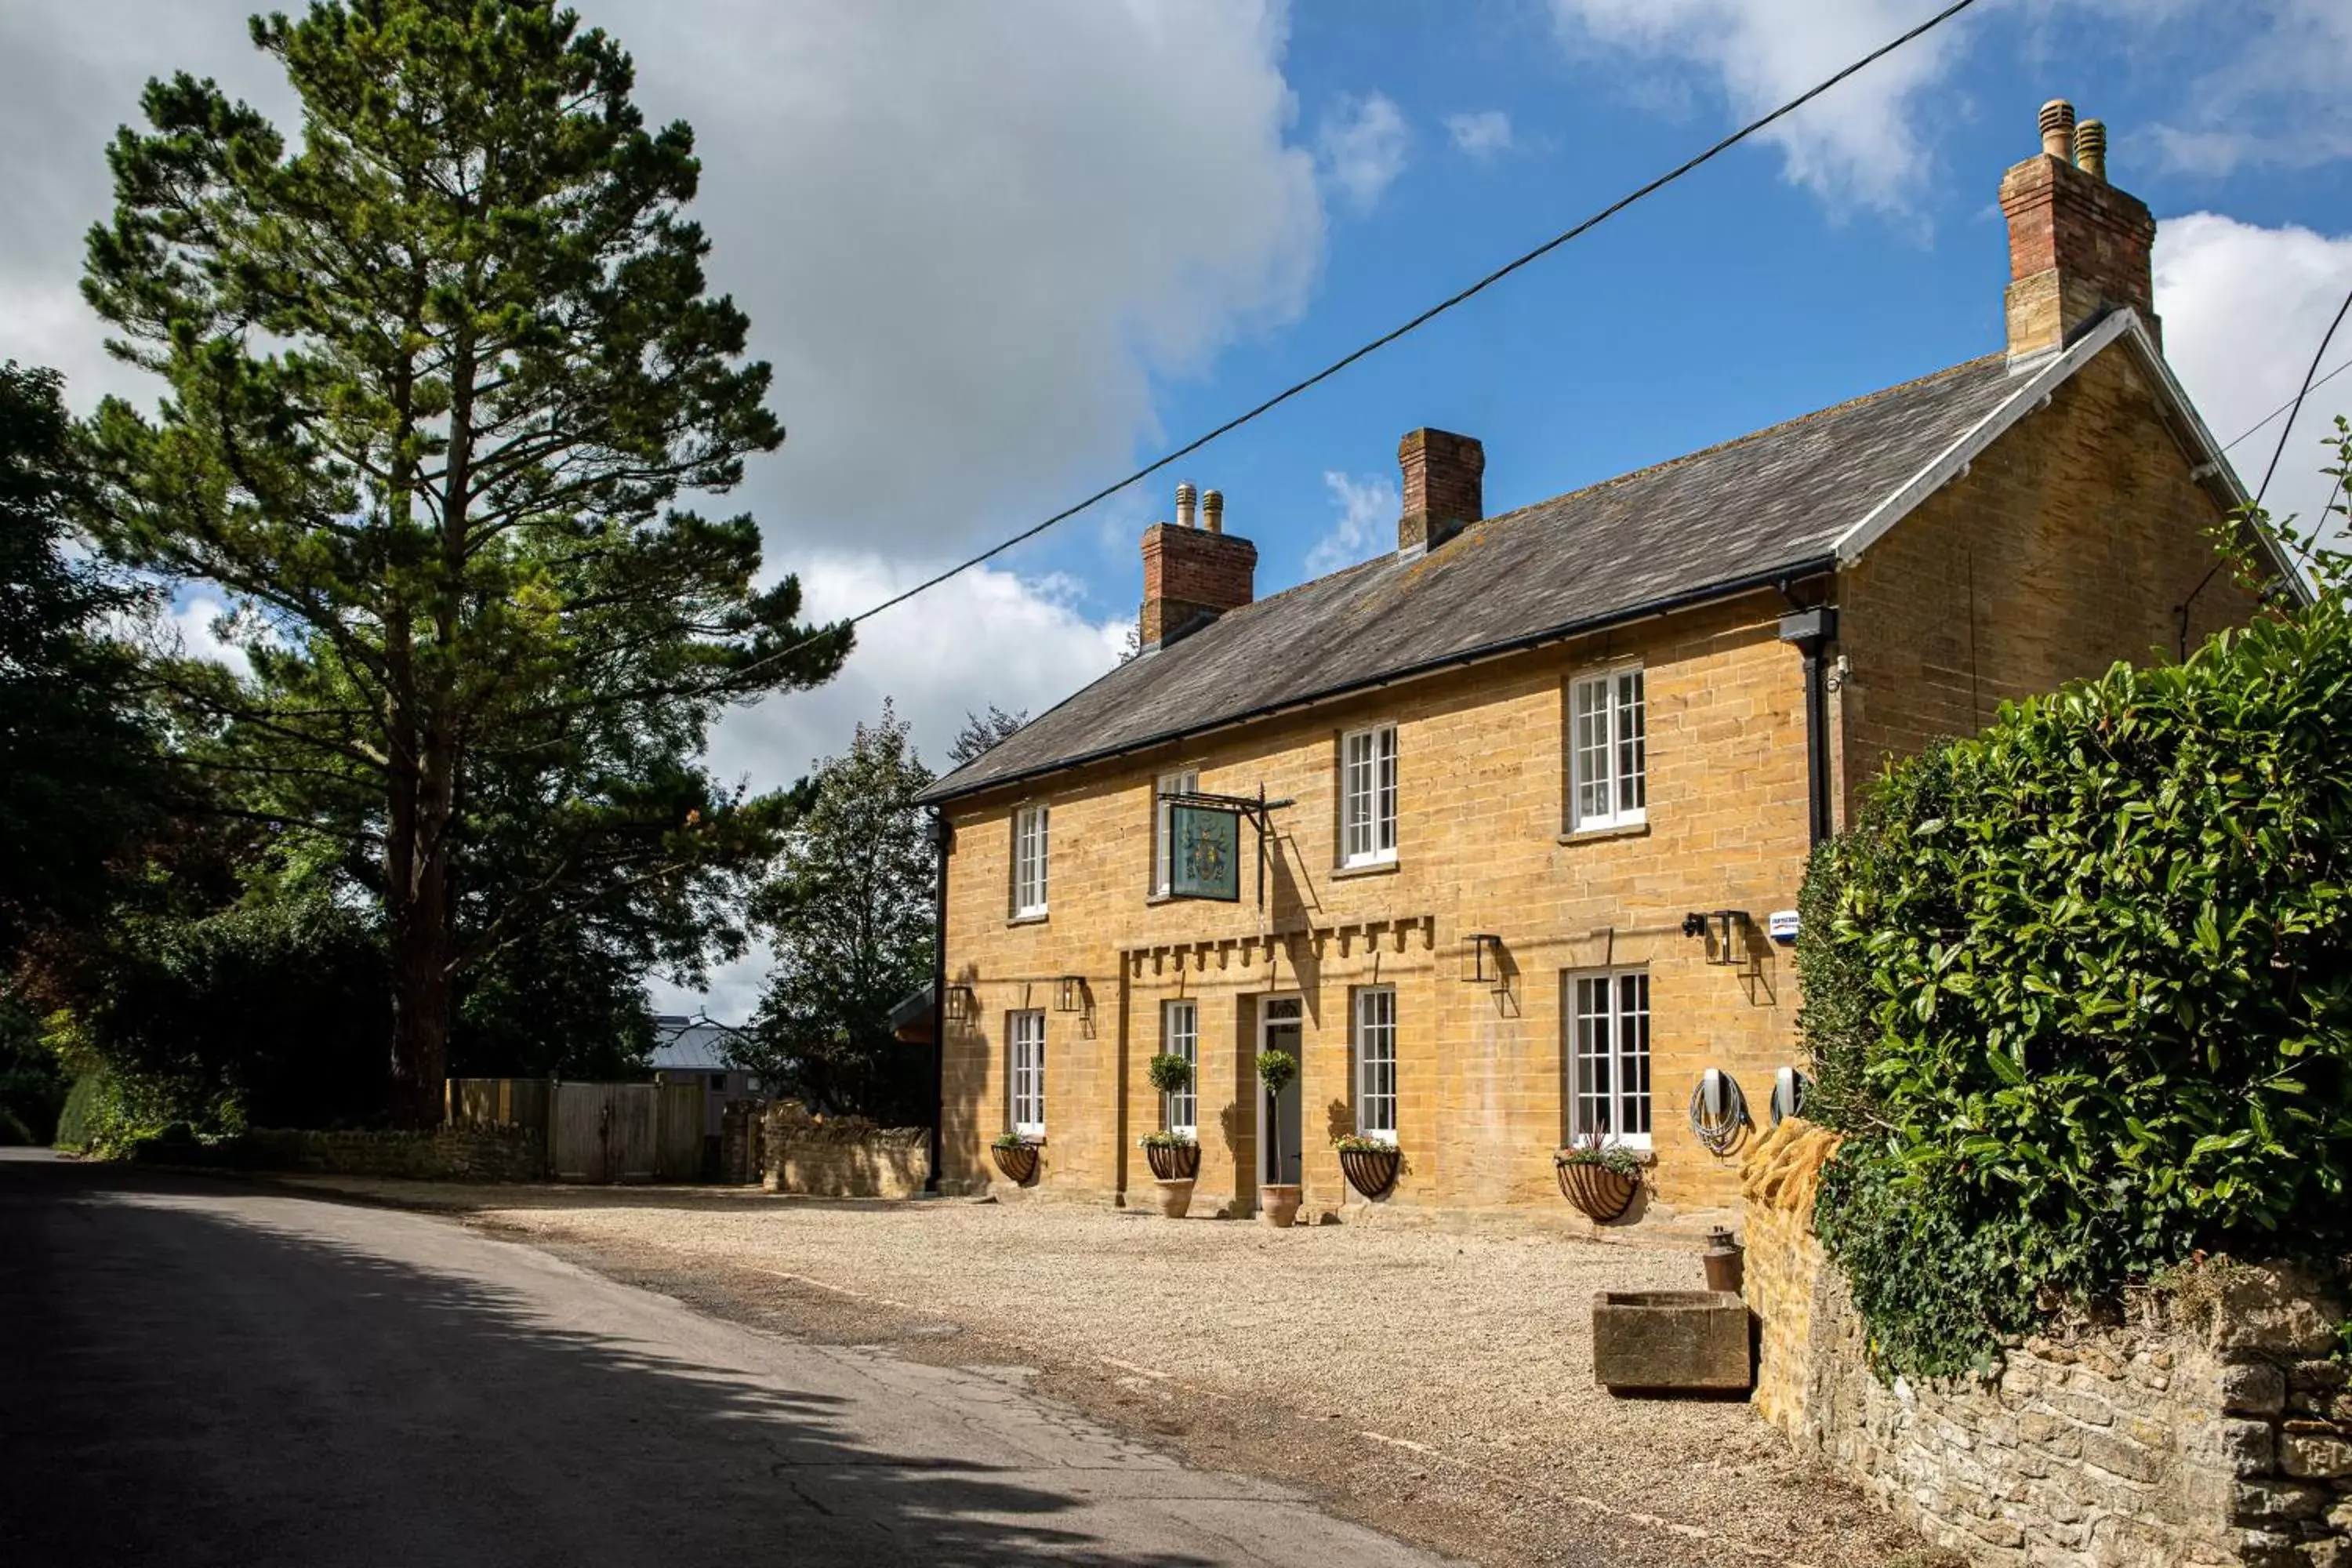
(195, 1372)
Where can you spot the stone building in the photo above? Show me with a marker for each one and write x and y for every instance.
(1539, 786)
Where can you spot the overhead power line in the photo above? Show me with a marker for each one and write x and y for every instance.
(2296, 407)
(2283, 407)
(1379, 342)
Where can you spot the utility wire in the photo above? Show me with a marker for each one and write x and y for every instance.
(1376, 344)
(2283, 407)
(2293, 408)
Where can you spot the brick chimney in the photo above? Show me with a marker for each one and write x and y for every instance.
(2078, 247)
(1444, 488)
(1193, 575)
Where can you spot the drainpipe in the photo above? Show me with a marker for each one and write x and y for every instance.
(942, 840)
(1812, 631)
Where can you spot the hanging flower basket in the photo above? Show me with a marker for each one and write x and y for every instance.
(1599, 1179)
(1017, 1160)
(1370, 1166)
(1172, 1157)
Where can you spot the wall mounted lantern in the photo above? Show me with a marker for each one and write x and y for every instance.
(962, 1005)
(1481, 960)
(1716, 928)
(1070, 994)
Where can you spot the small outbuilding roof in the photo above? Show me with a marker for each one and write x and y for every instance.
(683, 1045)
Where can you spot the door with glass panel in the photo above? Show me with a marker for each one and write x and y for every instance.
(1280, 1028)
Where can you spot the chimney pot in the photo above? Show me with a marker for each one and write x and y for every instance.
(1185, 499)
(2091, 148)
(1212, 510)
(1445, 487)
(1193, 575)
(2078, 247)
(2058, 129)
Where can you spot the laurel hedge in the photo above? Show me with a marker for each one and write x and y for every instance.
(2079, 992)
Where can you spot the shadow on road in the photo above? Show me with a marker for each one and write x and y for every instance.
(203, 1373)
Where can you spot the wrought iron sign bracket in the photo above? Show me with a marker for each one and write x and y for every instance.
(1256, 807)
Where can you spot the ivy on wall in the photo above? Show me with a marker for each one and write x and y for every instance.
(2079, 992)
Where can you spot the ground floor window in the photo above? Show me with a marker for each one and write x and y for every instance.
(1608, 1032)
(1375, 1065)
(1026, 1082)
(1179, 1035)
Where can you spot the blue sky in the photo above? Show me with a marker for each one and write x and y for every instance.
(1001, 253)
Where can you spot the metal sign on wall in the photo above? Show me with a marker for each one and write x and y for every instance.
(1206, 862)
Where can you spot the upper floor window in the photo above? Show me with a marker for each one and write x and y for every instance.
(1376, 1063)
(1163, 842)
(1026, 1083)
(1609, 1056)
(1029, 858)
(1179, 1035)
(1607, 750)
(1368, 795)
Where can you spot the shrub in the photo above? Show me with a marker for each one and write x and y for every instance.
(2079, 992)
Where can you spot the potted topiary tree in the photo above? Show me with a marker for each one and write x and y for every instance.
(1016, 1157)
(1277, 1202)
(1371, 1163)
(1598, 1176)
(1175, 1156)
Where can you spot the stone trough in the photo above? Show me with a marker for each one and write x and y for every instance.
(1671, 1341)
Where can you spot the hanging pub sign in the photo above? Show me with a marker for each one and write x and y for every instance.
(1207, 858)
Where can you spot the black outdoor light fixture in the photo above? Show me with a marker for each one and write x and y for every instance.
(962, 1005)
(1481, 959)
(1715, 927)
(1070, 994)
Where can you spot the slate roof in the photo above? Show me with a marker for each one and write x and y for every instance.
(1729, 518)
(681, 1045)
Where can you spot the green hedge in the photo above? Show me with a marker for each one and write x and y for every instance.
(2079, 992)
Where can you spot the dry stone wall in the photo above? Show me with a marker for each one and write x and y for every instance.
(443, 1154)
(841, 1157)
(2207, 1425)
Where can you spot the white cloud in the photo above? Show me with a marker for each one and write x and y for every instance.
(2243, 309)
(1369, 509)
(1362, 142)
(1482, 134)
(1855, 143)
(986, 636)
(2277, 97)
(195, 628)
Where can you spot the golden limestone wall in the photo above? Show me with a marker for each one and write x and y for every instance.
(2206, 1424)
(2068, 545)
(1482, 847)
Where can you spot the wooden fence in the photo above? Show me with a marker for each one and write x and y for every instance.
(593, 1131)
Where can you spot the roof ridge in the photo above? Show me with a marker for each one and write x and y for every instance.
(1756, 434)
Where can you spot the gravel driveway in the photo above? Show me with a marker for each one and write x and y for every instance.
(1438, 1381)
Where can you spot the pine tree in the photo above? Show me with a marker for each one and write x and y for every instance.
(435, 377)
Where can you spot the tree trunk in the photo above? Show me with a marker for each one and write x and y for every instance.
(422, 1002)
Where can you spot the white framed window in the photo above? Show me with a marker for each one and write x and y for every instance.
(1163, 840)
(1368, 795)
(1376, 1063)
(1608, 750)
(1029, 860)
(1179, 1035)
(1608, 1030)
(1026, 1083)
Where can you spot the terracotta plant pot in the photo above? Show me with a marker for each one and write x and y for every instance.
(1598, 1192)
(1371, 1172)
(1019, 1164)
(1175, 1196)
(1277, 1204)
(1178, 1162)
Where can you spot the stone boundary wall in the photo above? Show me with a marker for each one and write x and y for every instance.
(842, 1157)
(2208, 1426)
(443, 1154)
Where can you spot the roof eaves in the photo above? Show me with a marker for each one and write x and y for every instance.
(1731, 587)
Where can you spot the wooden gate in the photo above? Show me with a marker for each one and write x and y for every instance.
(627, 1132)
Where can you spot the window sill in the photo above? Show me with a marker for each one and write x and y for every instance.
(1028, 919)
(1369, 868)
(1589, 834)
